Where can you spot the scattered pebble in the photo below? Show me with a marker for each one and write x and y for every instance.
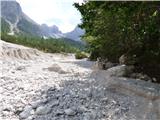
(64, 90)
(70, 112)
(26, 112)
(41, 110)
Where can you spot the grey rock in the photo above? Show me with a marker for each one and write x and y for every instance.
(18, 110)
(70, 112)
(36, 104)
(7, 109)
(27, 108)
(145, 77)
(59, 112)
(52, 88)
(105, 100)
(26, 112)
(41, 110)
(140, 76)
(30, 118)
(100, 64)
(109, 65)
(5, 113)
(89, 116)
(82, 109)
(120, 71)
(20, 68)
(154, 79)
(56, 68)
(103, 64)
(44, 100)
(54, 103)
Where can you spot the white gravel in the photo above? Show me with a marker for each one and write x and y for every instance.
(43, 86)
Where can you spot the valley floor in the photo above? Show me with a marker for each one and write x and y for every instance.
(43, 86)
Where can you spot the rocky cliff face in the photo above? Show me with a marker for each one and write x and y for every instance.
(11, 11)
(52, 31)
(19, 22)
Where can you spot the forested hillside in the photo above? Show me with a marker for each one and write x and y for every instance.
(131, 29)
(51, 45)
(5, 26)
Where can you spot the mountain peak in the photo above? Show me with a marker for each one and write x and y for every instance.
(11, 10)
(75, 34)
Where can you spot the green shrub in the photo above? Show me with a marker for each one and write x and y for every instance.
(81, 55)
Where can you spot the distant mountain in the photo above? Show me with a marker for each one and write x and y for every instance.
(52, 31)
(19, 23)
(11, 11)
(75, 34)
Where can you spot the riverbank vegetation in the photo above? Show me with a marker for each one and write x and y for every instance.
(131, 29)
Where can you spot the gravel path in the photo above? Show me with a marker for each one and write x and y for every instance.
(58, 87)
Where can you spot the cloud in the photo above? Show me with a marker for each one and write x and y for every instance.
(58, 12)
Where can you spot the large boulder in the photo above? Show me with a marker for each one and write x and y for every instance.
(141, 76)
(56, 68)
(120, 70)
(127, 60)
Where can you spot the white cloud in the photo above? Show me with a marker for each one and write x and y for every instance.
(52, 12)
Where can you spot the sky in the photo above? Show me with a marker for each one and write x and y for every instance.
(61, 13)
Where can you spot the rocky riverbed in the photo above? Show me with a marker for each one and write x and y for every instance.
(43, 86)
